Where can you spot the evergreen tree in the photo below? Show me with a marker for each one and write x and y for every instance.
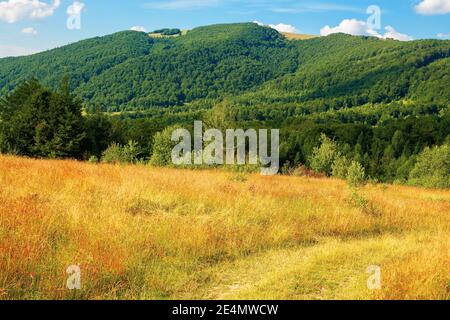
(37, 121)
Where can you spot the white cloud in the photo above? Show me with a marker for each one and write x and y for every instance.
(14, 51)
(432, 7)
(349, 26)
(281, 27)
(360, 28)
(75, 8)
(29, 30)
(138, 28)
(182, 4)
(391, 33)
(12, 11)
(443, 35)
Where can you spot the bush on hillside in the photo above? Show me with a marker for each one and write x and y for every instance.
(117, 153)
(162, 148)
(356, 175)
(324, 156)
(432, 169)
(340, 167)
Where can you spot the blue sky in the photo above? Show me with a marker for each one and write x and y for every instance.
(28, 26)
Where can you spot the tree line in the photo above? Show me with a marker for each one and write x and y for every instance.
(37, 121)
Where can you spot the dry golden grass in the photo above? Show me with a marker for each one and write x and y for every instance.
(148, 233)
(295, 36)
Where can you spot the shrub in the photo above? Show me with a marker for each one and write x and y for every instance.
(131, 152)
(324, 156)
(113, 154)
(93, 159)
(302, 171)
(432, 169)
(366, 206)
(162, 148)
(340, 167)
(356, 175)
(287, 169)
(122, 154)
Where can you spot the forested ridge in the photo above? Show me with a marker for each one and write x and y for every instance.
(132, 71)
(382, 105)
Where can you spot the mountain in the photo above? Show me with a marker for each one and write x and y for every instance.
(252, 64)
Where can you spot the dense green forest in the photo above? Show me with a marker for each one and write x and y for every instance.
(380, 107)
(256, 65)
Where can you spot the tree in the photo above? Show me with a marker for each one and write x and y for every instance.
(432, 169)
(340, 167)
(324, 156)
(356, 175)
(162, 147)
(398, 142)
(17, 121)
(98, 129)
(222, 116)
(37, 121)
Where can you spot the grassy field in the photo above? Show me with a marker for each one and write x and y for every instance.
(146, 233)
(295, 36)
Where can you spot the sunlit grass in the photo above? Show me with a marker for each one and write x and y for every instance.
(148, 233)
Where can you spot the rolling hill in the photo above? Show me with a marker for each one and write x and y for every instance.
(253, 64)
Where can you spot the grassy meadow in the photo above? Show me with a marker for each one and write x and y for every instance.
(139, 232)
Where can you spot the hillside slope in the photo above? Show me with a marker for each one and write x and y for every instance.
(346, 71)
(81, 61)
(147, 233)
(132, 71)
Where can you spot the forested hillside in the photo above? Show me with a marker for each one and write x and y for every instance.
(345, 71)
(81, 61)
(132, 71)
